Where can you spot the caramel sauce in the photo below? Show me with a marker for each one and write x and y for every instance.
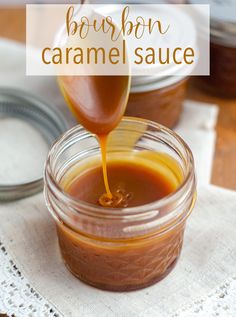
(121, 263)
(108, 196)
(99, 103)
(132, 184)
(136, 179)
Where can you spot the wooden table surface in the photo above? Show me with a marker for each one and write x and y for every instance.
(12, 25)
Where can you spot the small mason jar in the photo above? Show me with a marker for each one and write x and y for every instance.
(121, 249)
(222, 79)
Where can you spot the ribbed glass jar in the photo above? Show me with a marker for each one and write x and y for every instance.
(121, 249)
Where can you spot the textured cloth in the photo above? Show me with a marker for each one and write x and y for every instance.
(202, 283)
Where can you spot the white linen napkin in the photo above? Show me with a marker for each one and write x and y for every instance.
(197, 128)
(204, 279)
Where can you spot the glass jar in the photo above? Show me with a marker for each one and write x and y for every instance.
(158, 97)
(121, 249)
(222, 79)
(160, 100)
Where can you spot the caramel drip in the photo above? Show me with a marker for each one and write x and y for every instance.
(99, 103)
(103, 146)
(118, 198)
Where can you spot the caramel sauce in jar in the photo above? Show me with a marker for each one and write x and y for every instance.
(138, 184)
(222, 79)
(163, 105)
(138, 241)
(121, 265)
(125, 264)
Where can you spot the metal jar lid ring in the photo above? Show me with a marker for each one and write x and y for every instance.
(49, 122)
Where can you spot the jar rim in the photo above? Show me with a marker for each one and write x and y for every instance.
(97, 211)
(155, 84)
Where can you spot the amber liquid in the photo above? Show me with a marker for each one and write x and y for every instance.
(127, 263)
(138, 184)
(98, 102)
(135, 179)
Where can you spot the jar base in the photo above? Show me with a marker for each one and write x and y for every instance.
(124, 288)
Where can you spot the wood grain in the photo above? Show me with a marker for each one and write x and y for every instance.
(224, 168)
(12, 25)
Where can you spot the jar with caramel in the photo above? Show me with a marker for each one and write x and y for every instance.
(222, 79)
(160, 97)
(121, 249)
(157, 99)
(157, 93)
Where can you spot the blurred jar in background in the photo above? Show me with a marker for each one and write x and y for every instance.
(158, 97)
(222, 79)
